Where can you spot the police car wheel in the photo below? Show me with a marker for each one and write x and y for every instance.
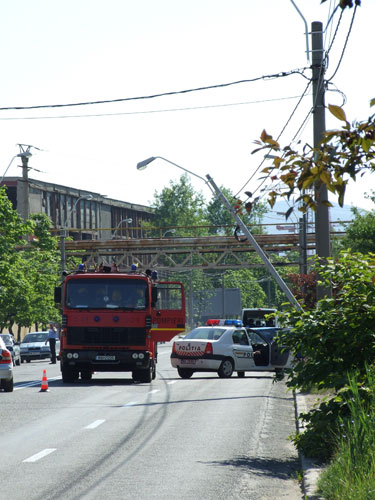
(226, 368)
(184, 372)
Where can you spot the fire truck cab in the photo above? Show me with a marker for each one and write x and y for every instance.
(112, 322)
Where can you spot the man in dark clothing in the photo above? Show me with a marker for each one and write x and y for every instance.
(51, 338)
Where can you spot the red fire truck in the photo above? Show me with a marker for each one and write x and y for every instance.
(112, 322)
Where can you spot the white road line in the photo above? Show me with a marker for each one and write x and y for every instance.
(131, 403)
(32, 384)
(40, 455)
(172, 382)
(95, 424)
(153, 391)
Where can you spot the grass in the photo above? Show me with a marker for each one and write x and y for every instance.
(351, 474)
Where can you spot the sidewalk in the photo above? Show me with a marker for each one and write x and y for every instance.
(311, 471)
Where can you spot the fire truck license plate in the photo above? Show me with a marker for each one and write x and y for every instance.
(105, 358)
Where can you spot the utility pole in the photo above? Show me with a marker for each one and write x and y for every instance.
(322, 229)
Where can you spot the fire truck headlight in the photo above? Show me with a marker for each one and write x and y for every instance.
(75, 355)
(69, 355)
(141, 355)
(135, 355)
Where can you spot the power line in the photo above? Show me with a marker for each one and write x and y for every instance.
(148, 111)
(282, 131)
(163, 94)
(345, 44)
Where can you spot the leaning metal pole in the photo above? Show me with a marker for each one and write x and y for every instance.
(253, 242)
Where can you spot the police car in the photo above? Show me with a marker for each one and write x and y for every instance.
(225, 346)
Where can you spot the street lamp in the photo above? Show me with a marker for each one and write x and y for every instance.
(128, 221)
(143, 164)
(63, 233)
(239, 222)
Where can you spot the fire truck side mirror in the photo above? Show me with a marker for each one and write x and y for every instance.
(58, 294)
(154, 296)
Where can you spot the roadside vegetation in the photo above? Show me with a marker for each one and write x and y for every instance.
(334, 338)
(29, 264)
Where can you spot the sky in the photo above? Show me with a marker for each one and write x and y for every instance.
(80, 51)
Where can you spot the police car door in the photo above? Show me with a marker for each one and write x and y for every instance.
(242, 351)
(281, 357)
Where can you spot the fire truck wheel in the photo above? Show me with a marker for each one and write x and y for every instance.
(68, 375)
(153, 371)
(184, 372)
(145, 376)
(226, 368)
(86, 375)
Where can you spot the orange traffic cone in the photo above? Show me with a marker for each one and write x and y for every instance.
(44, 387)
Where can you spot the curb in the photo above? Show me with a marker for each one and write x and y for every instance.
(310, 471)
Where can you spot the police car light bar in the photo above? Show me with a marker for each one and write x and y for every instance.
(224, 322)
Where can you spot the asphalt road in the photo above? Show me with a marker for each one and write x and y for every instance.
(201, 438)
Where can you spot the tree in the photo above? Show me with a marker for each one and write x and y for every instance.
(332, 340)
(222, 220)
(252, 294)
(360, 233)
(341, 155)
(28, 271)
(179, 205)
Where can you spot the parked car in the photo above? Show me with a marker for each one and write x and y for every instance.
(34, 346)
(6, 368)
(224, 346)
(13, 347)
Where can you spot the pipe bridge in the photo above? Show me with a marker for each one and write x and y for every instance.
(185, 253)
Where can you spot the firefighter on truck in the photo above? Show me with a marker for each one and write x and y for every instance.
(112, 321)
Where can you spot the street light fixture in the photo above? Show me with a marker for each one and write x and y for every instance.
(143, 164)
(63, 233)
(239, 222)
(128, 221)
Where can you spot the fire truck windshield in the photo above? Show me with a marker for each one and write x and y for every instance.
(106, 293)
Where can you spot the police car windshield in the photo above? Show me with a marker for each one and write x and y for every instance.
(205, 333)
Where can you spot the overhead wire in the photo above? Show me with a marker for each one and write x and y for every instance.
(278, 137)
(191, 108)
(345, 44)
(162, 94)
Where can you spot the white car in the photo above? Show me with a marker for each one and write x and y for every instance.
(224, 347)
(6, 368)
(13, 347)
(33, 346)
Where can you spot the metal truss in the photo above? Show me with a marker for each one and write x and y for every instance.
(181, 254)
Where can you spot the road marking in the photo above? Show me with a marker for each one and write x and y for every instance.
(131, 403)
(153, 391)
(32, 384)
(95, 424)
(40, 455)
(172, 382)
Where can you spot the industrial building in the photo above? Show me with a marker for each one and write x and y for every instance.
(84, 214)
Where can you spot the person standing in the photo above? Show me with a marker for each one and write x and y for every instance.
(51, 338)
